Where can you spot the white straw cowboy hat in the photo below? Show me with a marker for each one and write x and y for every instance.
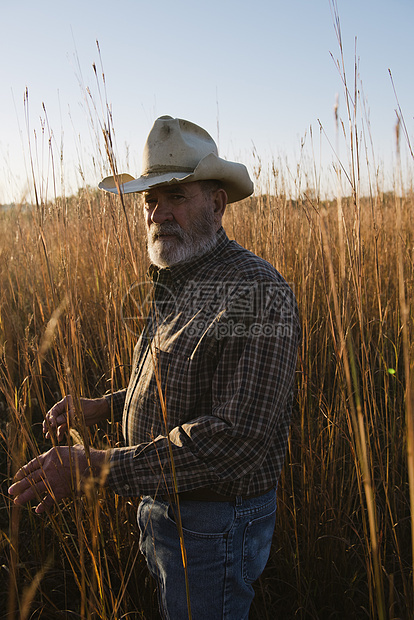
(178, 151)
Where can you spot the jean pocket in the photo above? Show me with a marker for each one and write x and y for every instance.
(256, 545)
(203, 519)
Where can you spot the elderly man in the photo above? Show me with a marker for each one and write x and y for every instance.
(207, 411)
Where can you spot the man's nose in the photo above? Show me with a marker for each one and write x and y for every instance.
(162, 212)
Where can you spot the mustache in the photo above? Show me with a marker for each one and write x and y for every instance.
(167, 228)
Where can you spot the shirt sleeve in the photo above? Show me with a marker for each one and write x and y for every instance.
(116, 401)
(251, 404)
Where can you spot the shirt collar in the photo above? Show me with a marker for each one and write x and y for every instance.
(186, 269)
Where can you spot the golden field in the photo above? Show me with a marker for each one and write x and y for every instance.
(343, 540)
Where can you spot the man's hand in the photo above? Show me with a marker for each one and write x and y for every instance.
(54, 475)
(61, 415)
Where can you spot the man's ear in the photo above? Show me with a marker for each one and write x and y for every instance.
(220, 203)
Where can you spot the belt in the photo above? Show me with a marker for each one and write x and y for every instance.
(208, 495)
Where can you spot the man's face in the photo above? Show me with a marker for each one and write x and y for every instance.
(182, 221)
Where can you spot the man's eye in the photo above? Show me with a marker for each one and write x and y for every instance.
(177, 197)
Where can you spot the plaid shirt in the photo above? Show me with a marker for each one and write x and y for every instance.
(212, 380)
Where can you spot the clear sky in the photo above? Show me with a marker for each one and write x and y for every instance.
(256, 74)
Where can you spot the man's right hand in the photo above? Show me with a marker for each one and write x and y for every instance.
(62, 415)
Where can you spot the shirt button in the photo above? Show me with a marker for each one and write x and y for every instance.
(126, 487)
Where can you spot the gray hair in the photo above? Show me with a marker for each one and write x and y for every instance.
(210, 186)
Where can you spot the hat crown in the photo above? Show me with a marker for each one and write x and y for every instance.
(178, 151)
(174, 144)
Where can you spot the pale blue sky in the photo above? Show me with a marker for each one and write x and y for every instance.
(256, 75)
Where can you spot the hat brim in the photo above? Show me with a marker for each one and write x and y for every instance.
(233, 176)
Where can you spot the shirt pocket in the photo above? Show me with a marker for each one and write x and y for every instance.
(168, 385)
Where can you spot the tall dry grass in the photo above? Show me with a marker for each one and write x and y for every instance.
(342, 545)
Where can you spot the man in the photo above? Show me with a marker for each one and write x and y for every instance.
(207, 411)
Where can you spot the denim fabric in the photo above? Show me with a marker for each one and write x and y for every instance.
(227, 546)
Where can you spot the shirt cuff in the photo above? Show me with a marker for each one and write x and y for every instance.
(116, 402)
(122, 478)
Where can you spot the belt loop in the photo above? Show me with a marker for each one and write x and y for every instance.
(239, 500)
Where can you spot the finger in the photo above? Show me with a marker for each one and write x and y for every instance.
(29, 494)
(46, 504)
(58, 433)
(61, 431)
(49, 427)
(58, 416)
(18, 487)
(27, 490)
(30, 467)
(53, 414)
(25, 479)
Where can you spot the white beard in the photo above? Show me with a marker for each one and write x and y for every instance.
(185, 244)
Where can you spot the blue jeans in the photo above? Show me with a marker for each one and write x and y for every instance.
(227, 546)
